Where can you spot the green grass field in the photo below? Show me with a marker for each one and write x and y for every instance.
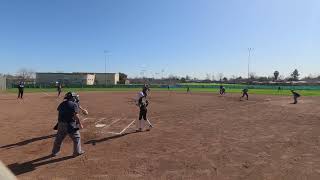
(213, 90)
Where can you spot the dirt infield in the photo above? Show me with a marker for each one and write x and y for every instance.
(196, 136)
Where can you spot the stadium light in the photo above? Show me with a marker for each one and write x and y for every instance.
(249, 57)
(106, 53)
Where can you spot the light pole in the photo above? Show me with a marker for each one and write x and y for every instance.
(249, 57)
(105, 66)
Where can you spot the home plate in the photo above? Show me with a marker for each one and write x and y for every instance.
(100, 125)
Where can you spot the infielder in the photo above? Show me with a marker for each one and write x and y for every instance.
(222, 90)
(68, 124)
(59, 88)
(21, 89)
(245, 93)
(295, 96)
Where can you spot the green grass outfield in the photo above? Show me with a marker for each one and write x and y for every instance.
(213, 90)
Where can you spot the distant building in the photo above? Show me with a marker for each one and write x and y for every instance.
(77, 78)
(107, 78)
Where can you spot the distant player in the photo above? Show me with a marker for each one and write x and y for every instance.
(188, 89)
(59, 88)
(21, 89)
(222, 90)
(143, 104)
(295, 96)
(245, 94)
(279, 89)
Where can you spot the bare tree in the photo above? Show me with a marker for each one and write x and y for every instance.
(225, 79)
(208, 76)
(252, 76)
(213, 77)
(220, 75)
(26, 74)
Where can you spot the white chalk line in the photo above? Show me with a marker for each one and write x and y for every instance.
(102, 126)
(99, 120)
(87, 119)
(113, 123)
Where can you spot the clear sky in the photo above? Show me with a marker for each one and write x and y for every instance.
(179, 37)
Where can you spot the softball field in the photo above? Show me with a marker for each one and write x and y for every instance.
(195, 136)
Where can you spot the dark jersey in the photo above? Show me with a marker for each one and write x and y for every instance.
(143, 103)
(245, 90)
(67, 110)
(21, 87)
(59, 87)
(296, 94)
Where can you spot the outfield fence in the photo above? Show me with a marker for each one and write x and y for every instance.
(177, 86)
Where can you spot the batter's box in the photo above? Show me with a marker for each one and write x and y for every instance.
(119, 126)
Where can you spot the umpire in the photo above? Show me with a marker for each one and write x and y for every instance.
(68, 124)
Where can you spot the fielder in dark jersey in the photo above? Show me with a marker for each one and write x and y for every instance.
(245, 93)
(222, 90)
(295, 96)
(59, 88)
(21, 90)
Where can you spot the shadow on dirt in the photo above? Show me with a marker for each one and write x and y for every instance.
(29, 166)
(95, 141)
(25, 142)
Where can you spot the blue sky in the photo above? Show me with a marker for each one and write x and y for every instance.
(179, 37)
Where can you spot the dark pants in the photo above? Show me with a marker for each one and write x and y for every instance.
(245, 94)
(143, 114)
(295, 98)
(20, 95)
(59, 92)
